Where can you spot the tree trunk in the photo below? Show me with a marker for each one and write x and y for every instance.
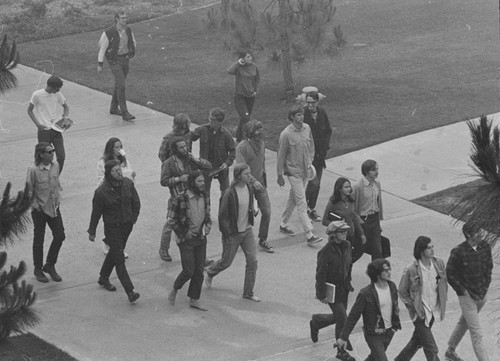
(286, 59)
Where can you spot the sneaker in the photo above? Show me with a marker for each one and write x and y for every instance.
(133, 296)
(104, 282)
(287, 231)
(344, 356)
(314, 331)
(164, 255)
(313, 240)
(51, 270)
(40, 276)
(194, 303)
(451, 355)
(313, 215)
(265, 246)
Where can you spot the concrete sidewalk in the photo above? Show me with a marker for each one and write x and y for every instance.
(93, 324)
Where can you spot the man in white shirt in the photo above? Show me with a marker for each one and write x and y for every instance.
(423, 289)
(117, 45)
(43, 111)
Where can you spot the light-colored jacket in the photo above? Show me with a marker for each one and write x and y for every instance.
(357, 194)
(410, 288)
(295, 151)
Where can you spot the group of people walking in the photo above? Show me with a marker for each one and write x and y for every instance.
(352, 216)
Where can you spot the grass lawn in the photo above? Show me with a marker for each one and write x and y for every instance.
(30, 347)
(411, 66)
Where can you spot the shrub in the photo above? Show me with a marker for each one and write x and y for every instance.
(36, 8)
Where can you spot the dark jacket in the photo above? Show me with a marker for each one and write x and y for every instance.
(321, 132)
(228, 211)
(470, 270)
(367, 304)
(115, 204)
(334, 266)
(223, 145)
(114, 42)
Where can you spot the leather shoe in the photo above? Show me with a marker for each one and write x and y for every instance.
(40, 276)
(104, 282)
(51, 270)
(133, 296)
(128, 117)
(115, 111)
(194, 303)
(314, 331)
(164, 255)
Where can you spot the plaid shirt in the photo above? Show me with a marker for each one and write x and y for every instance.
(470, 270)
(178, 215)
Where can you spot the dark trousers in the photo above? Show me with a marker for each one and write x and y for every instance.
(312, 189)
(55, 138)
(378, 345)
(372, 230)
(244, 106)
(120, 72)
(193, 254)
(40, 220)
(422, 338)
(338, 315)
(222, 177)
(116, 237)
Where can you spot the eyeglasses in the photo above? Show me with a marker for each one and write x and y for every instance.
(49, 151)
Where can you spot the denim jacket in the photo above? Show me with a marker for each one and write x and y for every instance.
(410, 288)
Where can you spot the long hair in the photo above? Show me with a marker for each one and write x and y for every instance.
(190, 182)
(237, 170)
(173, 144)
(375, 268)
(109, 153)
(181, 124)
(367, 166)
(39, 149)
(420, 245)
(336, 196)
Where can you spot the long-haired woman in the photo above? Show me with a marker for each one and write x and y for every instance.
(341, 205)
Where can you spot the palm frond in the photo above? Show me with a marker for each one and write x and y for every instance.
(9, 58)
(13, 215)
(478, 205)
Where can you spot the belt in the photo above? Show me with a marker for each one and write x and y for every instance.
(369, 216)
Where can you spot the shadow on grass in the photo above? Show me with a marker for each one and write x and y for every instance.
(442, 201)
(30, 347)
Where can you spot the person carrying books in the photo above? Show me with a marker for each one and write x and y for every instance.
(333, 283)
(43, 111)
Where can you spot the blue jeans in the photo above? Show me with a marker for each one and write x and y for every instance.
(229, 248)
(40, 220)
(116, 237)
(120, 72)
(312, 190)
(469, 320)
(422, 338)
(244, 106)
(264, 204)
(193, 253)
(222, 177)
(55, 138)
(378, 345)
(166, 233)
